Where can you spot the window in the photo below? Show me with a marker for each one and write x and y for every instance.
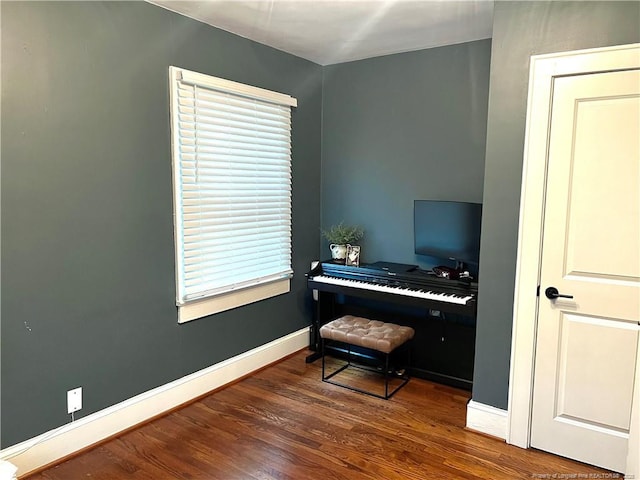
(232, 192)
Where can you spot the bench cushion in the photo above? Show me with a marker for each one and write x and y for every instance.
(381, 336)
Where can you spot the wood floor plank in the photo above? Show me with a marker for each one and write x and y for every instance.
(284, 423)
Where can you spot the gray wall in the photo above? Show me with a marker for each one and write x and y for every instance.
(522, 29)
(400, 128)
(87, 233)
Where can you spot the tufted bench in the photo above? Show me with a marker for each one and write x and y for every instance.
(375, 335)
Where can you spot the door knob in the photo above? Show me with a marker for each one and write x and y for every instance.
(552, 293)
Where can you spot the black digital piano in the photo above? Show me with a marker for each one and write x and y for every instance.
(441, 310)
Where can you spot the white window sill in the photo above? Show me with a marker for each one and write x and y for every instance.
(220, 303)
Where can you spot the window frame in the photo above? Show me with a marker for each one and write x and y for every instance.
(209, 304)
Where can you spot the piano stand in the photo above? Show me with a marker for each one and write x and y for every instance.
(313, 357)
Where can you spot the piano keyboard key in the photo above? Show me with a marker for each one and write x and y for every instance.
(397, 290)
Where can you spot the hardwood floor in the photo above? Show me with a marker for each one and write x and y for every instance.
(285, 423)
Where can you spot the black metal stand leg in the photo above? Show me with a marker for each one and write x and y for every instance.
(315, 340)
(322, 349)
(325, 377)
(317, 322)
(386, 375)
(312, 357)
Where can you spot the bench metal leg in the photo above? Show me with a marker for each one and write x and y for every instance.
(386, 375)
(325, 377)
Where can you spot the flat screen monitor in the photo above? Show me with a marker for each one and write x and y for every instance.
(448, 230)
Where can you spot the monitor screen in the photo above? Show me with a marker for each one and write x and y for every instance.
(447, 230)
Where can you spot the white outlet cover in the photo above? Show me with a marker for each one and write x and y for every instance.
(74, 400)
(7, 470)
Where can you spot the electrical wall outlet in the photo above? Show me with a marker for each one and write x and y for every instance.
(74, 400)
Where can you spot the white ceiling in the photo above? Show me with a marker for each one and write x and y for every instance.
(336, 31)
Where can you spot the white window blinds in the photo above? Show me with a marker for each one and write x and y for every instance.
(232, 184)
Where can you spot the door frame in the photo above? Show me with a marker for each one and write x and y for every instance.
(543, 70)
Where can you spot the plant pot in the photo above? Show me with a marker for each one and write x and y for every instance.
(338, 252)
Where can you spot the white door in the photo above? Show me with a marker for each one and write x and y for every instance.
(587, 346)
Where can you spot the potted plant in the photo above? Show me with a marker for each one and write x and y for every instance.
(341, 235)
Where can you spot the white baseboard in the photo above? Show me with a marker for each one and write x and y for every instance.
(58, 443)
(487, 419)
